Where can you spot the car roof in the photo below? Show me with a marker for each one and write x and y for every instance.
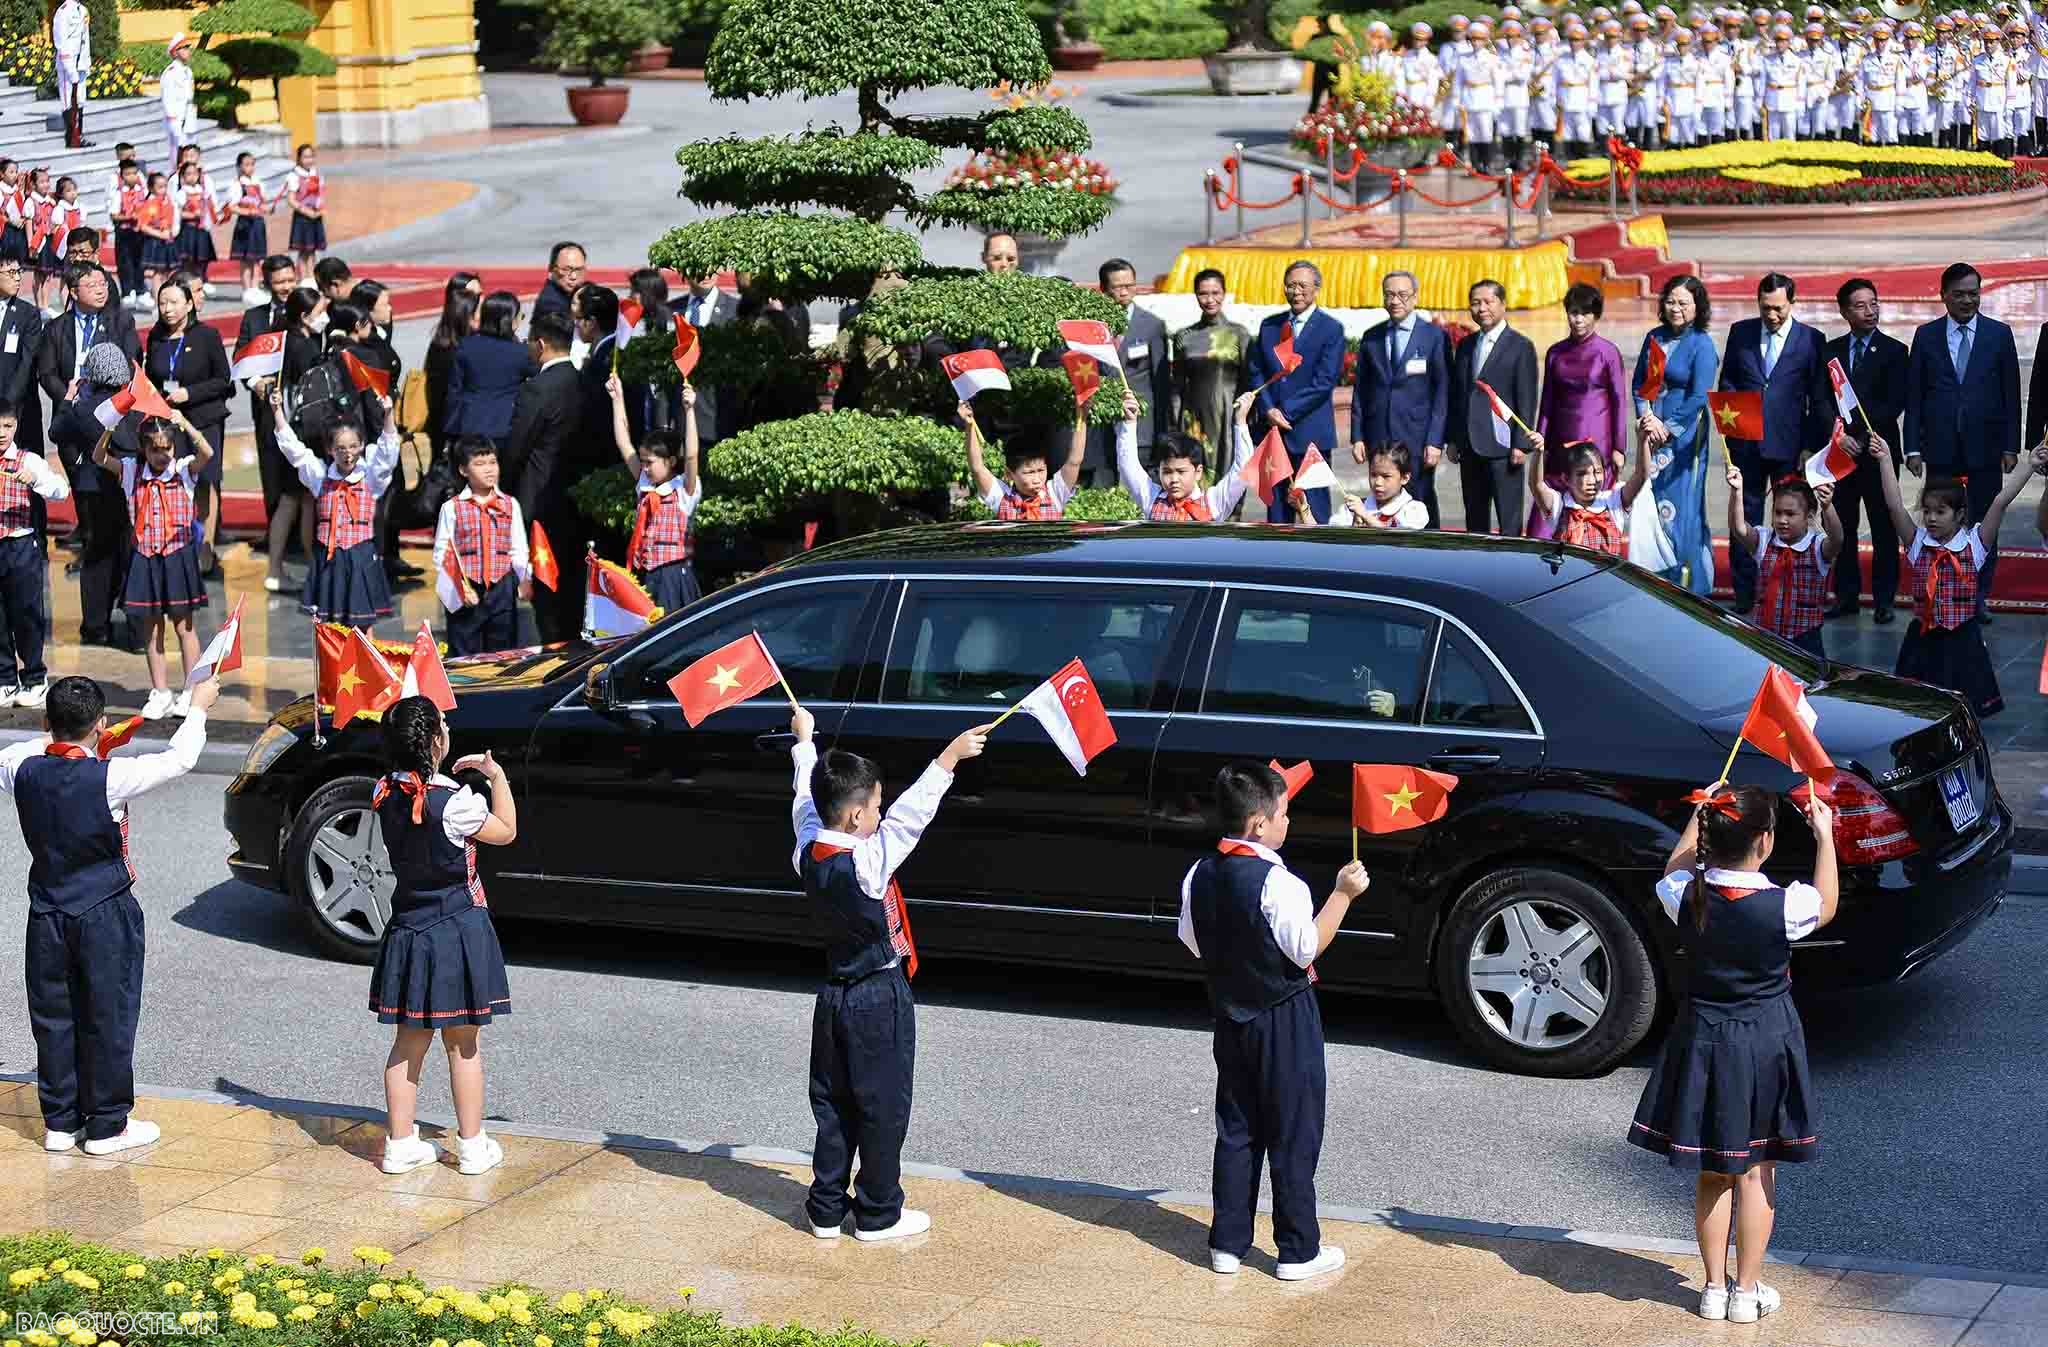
(1508, 570)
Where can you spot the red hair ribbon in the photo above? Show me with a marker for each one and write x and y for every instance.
(1788, 479)
(410, 783)
(1724, 801)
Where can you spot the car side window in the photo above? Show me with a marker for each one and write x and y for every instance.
(1468, 690)
(1317, 658)
(989, 644)
(807, 628)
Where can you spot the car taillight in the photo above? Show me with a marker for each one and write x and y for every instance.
(1867, 829)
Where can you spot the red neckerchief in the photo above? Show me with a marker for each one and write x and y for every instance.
(899, 913)
(643, 516)
(410, 783)
(153, 507)
(1029, 507)
(1231, 847)
(1955, 563)
(1591, 528)
(351, 492)
(1777, 588)
(55, 750)
(1193, 510)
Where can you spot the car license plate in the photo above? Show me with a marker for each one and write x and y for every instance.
(1955, 793)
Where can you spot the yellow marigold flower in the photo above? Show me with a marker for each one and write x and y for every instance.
(82, 1337)
(543, 1340)
(596, 1293)
(410, 1294)
(135, 1272)
(247, 1298)
(570, 1302)
(264, 1319)
(38, 1338)
(522, 1317)
(21, 1277)
(81, 1280)
(431, 1307)
(380, 1291)
(364, 1309)
(59, 1264)
(592, 1328)
(314, 1256)
(469, 1342)
(518, 1298)
(189, 1319)
(298, 1296)
(11, 1342)
(174, 1288)
(374, 1256)
(65, 1325)
(264, 1259)
(440, 1342)
(323, 1298)
(302, 1313)
(686, 1291)
(216, 1252)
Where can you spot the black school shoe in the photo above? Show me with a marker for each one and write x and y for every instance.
(1882, 617)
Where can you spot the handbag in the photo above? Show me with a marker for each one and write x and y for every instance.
(418, 505)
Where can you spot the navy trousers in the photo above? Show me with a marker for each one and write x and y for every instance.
(863, 1055)
(24, 621)
(128, 260)
(84, 997)
(491, 623)
(1270, 1087)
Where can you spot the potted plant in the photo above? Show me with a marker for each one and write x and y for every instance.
(1071, 47)
(1364, 112)
(1251, 62)
(599, 38)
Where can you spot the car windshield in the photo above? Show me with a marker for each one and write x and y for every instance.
(1698, 659)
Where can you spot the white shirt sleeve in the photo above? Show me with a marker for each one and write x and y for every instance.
(464, 816)
(804, 814)
(992, 499)
(383, 458)
(45, 480)
(1290, 914)
(444, 532)
(12, 758)
(1802, 911)
(312, 472)
(1132, 473)
(1059, 489)
(522, 562)
(1671, 892)
(1413, 515)
(130, 777)
(1187, 912)
(878, 857)
(1230, 488)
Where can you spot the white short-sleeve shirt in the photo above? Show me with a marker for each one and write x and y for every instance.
(465, 813)
(1802, 901)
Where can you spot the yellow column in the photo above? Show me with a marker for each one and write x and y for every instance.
(408, 71)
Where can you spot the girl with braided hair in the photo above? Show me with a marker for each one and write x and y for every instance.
(440, 968)
(1732, 1094)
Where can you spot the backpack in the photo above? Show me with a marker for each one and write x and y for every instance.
(322, 396)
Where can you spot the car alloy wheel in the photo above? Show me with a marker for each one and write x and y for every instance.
(349, 880)
(1538, 975)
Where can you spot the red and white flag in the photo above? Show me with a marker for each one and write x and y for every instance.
(1501, 415)
(139, 396)
(451, 586)
(631, 311)
(223, 653)
(1091, 338)
(1845, 392)
(1314, 471)
(1069, 707)
(614, 604)
(260, 357)
(1833, 463)
(975, 372)
(424, 674)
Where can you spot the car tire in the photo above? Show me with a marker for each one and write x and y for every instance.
(1527, 955)
(336, 866)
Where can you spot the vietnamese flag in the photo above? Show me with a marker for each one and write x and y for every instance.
(113, 736)
(1781, 721)
(1652, 386)
(352, 675)
(687, 350)
(1833, 463)
(1283, 352)
(367, 378)
(424, 674)
(139, 396)
(1085, 373)
(725, 677)
(1738, 416)
(1393, 797)
(1070, 709)
(1297, 776)
(541, 555)
(1269, 466)
(451, 586)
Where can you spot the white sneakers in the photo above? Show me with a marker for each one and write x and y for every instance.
(477, 1154)
(825, 1232)
(1714, 1303)
(58, 1142)
(1328, 1259)
(181, 705)
(402, 1155)
(158, 705)
(1224, 1263)
(137, 1133)
(1744, 1306)
(32, 697)
(909, 1222)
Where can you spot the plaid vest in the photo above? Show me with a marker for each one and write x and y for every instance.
(347, 514)
(1597, 529)
(1792, 593)
(1944, 587)
(484, 561)
(1041, 506)
(661, 531)
(17, 502)
(162, 508)
(1193, 510)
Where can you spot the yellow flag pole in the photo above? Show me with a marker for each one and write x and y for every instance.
(1729, 765)
(1354, 841)
(1005, 716)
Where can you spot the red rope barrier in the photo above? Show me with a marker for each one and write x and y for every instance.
(1362, 206)
(1228, 196)
(1454, 205)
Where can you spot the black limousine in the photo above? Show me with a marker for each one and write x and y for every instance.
(1576, 698)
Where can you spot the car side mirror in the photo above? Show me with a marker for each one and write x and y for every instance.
(597, 688)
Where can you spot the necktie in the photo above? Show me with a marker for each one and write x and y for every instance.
(1962, 353)
(1770, 353)
(1855, 353)
(1397, 342)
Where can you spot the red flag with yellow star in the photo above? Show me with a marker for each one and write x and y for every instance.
(1738, 416)
(353, 675)
(542, 556)
(1392, 797)
(113, 736)
(725, 677)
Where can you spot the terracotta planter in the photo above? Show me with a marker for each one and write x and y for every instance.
(1253, 72)
(653, 56)
(1077, 56)
(597, 104)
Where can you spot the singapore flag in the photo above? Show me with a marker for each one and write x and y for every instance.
(1071, 711)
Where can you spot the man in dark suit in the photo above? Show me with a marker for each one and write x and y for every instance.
(1146, 352)
(1402, 393)
(1780, 358)
(705, 305)
(547, 421)
(566, 265)
(1490, 453)
(1963, 401)
(280, 278)
(596, 309)
(1876, 366)
(2037, 394)
(21, 339)
(1298, 405)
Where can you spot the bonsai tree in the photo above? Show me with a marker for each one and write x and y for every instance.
(240, 40)
(1247, 24)
(598, 37)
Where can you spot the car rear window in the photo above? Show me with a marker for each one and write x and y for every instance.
(1700, 660)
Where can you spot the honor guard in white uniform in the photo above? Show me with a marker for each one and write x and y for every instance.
(1823, 67)
(71, 49)
(1380, 58)
(1743, 69)
(1716, 86)
(1948, 89)
(1610, 95)
(1880, 78)
(1455, 49)
(1916, 73)
(1573, 81)
(1784, 87)
(1990, 74)
(1480, 86)
(1518, 75)
(1844, 105)
(1679, 92)
(2019, 87)
(1645, 61)
(1419, 71)
(1543, 111)
(181, 115)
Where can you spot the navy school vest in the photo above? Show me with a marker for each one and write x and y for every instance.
(436, 878)
(857, 930)
(78, 853)
(1743, 957)
(1246, 970)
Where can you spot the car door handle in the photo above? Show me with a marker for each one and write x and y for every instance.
(779, 742)
(1465, 757)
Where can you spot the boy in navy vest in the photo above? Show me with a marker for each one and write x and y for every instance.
(1253, 926)
(864, 1030)
(84, 947)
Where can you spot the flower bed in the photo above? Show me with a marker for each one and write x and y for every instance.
(1803, 173)
(60, 1292)
(27, 58)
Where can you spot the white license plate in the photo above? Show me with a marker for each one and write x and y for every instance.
(1955, 793)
